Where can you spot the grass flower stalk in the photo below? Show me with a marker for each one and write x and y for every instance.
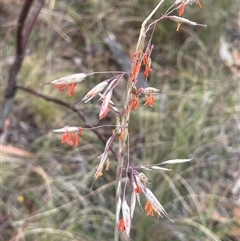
(104, 92)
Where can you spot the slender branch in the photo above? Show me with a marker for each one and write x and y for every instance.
(20, 48)
(20, 26)
(31, 23)
(73, 108)
(21, 42)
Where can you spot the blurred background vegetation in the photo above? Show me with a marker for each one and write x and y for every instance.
(45, 186)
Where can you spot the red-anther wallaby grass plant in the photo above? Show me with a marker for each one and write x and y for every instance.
(159, 148)
(127, 173)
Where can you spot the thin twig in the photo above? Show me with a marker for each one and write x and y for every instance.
(73, 108)
(31, 23)
(21, 42)
(20, 26)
